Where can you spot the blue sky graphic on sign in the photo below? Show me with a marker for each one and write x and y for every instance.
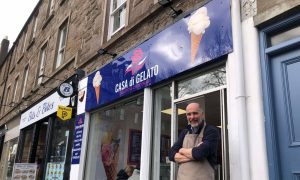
(202, 36)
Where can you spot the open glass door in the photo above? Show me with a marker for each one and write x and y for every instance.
(213, 107)
(169, 119)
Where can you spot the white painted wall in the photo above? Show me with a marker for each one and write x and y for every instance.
(254, 102)
(247, 143)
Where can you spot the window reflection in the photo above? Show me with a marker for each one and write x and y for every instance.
(115, 138)
(203, 82)
(162, 133)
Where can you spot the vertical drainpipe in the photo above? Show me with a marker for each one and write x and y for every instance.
(237, 112)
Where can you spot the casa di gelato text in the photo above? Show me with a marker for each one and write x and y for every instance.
(136, 79)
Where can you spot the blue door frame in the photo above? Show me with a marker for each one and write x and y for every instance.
(265, 53)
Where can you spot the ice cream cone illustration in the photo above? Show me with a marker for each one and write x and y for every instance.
(97, 84)
(110, 155)
(196, 26)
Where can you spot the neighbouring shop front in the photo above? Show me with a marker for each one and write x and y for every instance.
(45, 141)
(135, 105)
(10, 144)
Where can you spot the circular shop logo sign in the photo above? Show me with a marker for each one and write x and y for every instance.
(65, 90)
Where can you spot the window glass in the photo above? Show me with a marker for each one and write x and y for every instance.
(58, 150)
(16, 89)
(162, 133)
(42, 64)
(50, 8)
(27, 145)
(115, 139)
(61, 45)
(25, 80)
(284, 35)
(117, 15)
(12, 151)
(206, 81)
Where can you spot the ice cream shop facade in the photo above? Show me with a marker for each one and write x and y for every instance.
(135, 105)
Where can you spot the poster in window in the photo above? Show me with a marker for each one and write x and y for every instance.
(134, 147)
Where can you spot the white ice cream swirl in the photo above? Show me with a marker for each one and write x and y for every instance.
(97, 79)
(199, 21)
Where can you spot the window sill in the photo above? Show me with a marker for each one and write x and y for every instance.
(30, 44)
(47, 21)
(61, 2)
(12, 69)
(20, 58)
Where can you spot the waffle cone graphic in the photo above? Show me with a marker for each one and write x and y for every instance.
(195, 42)
(111, 171)
(97, 91)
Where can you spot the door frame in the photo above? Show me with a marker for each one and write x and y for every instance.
(224, 133)
(265, 61)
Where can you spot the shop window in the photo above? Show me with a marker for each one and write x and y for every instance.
(28, 133)
(41, 66)
(162, 133)
(58, 149)
(206, 81)
(117, 16)
(9, 158)
(47, 144)
(62, 35)
(115, 138)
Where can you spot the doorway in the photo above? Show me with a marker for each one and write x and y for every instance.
(280, 62)
(169, 118)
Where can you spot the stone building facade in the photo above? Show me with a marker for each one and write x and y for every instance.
(61, 36)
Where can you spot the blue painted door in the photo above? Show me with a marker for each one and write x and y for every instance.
(285, 79)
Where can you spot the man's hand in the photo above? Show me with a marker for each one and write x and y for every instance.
(187, 152)
(179, 158)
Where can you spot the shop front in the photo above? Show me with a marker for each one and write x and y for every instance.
(9, 151)
(135, 105)
(44, 146)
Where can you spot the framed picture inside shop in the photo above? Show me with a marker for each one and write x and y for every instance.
(134, 146)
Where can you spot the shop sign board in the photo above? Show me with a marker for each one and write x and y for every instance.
(43, 109)
(198, 38)
(78, 138)
(64, 113)
(26, 171)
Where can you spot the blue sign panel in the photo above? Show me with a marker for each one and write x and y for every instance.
(78, 134)
(200, 37)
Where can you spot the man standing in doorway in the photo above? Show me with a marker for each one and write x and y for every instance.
(196, 148)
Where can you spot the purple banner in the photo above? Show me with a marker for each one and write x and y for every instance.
(202, 36)
(78, 134)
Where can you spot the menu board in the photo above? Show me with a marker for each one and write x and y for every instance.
(55, 170)
(24, 171)
(135, 143)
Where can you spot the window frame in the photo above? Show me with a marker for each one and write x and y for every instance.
(112, 14)
(7, 98)
(42, 63)
(34, 28)
(61, 44)
(50, 8)
(15, 89)
(24, 42)
(25, 79)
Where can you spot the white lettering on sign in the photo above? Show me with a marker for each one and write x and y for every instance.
(43, 109)
(138, 78)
